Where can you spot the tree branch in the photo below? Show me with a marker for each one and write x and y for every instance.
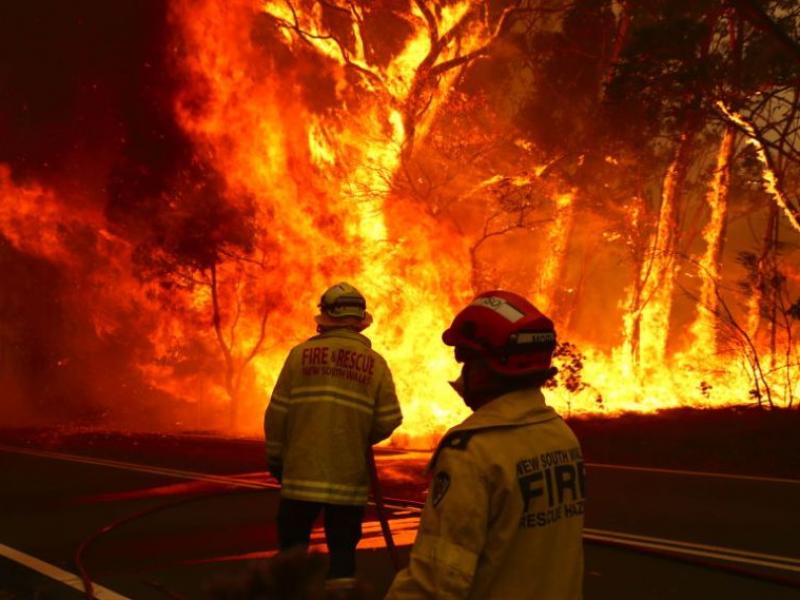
(752, 12)
(790, 210)
(217, 322)
(261, 334)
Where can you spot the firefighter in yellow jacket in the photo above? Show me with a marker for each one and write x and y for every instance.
(334, 398)
(504, 513)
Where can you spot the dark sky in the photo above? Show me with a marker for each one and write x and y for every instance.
(87, 91)
(83, 85)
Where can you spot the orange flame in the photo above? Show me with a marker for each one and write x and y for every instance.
(658, 275)
(310, 131)
(553, 264)
(703, 327)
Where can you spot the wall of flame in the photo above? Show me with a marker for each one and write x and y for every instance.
(300, 176)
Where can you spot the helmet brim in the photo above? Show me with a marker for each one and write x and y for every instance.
(359, 324)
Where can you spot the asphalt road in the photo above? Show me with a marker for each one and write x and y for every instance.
(212, 518)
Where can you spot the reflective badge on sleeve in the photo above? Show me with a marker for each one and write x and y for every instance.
(441, 483)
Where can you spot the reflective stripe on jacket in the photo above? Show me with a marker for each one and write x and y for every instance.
(504, 513)
(334, 398)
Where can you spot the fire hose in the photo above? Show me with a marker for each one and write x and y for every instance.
(80, 552)
(377, 493)
(381, 502)
(380, 509)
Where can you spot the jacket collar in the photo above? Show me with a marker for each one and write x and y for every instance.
(344, 333)
(521, 407)
(514, 408)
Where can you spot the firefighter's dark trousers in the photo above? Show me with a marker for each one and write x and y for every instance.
(342, 531)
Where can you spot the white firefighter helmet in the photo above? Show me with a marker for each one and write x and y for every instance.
(342, 305)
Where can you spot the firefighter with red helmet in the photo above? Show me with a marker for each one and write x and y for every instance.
(504, 513)
(333, 399)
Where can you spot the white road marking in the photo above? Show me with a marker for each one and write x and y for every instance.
(722, 549)
(404, 538)
(126, 466)
(57, 574)
(394, 454)
(696, 473)
(676, 546)
(781, 563)
(425, 456)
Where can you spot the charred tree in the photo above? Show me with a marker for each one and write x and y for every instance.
(236, 362)
(658, 276)
(704, 326)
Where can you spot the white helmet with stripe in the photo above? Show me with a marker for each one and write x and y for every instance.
(342, 305)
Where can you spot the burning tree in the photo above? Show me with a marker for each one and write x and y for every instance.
(441, 40)
(227, 293)
(778, 311)
(601, 157)
(376, 98)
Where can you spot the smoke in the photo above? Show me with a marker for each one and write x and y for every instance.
(86, 110)
(79, 80)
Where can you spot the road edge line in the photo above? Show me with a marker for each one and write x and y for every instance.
(791, 560)
(676, 546)
(695, 473)
(141, 468)
(56, 573)
(692, 552)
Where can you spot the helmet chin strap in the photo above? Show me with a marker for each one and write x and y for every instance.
(458, 385)
(351, 326)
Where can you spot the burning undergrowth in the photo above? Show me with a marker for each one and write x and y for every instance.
(179, 183)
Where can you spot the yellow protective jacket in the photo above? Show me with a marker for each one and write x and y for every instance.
(504, 514)
(334, 398)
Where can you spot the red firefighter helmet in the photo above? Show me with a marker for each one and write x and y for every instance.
(507, 330)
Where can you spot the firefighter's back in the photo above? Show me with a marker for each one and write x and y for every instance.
(534, 548)
(340, 400)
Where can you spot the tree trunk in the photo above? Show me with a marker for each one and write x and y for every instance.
(230, 363)
(567, 312)
(632, 320)
(774, 300)
(551, 272)
(233, 410)
(757, 297)
(658, 273)
(704, 328)
(620, 40)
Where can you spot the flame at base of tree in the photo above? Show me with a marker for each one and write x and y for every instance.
(710, 264)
